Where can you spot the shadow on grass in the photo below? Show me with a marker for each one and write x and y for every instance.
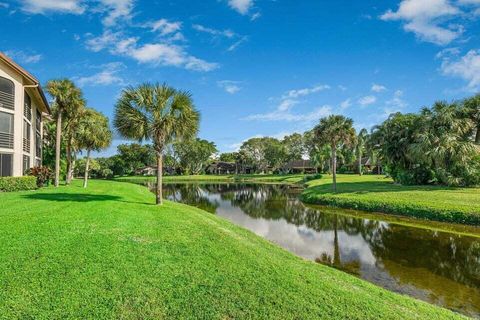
(81, 197)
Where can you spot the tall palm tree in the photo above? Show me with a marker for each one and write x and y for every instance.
(471, 107)
(335, 130)
(361, 141)
(93, 134)
(158, 113)
(67, 101)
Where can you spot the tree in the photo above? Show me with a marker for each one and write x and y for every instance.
(68, 101)
(471, 107)
(135, 156)
(335, 130)
(93, 135)
(294, 147)
(361, 141)
(158, 113)
(228, 157)
(194, 154)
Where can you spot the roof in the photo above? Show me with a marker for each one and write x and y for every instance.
(27, 75)
(299, 164)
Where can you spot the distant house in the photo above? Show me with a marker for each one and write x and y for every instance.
(152, 171)
(299, 166)
(220, 167)
(23, 107)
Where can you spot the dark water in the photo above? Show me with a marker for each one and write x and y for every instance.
(439, 267)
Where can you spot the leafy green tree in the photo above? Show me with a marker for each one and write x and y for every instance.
(93, 134)
(360, 148)
(134, 156)
(158, 113)
(68, 103)
(471, 107)
(294, 147)
(194, 154)
(228, 157)
(275, 153)
(335, 130)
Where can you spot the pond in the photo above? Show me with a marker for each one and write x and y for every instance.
(437, 263)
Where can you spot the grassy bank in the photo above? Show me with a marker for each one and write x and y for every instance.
(264, 178)
(376, 193)
(107, 252)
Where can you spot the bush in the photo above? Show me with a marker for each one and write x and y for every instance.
(43, 175)
(311, 177)
(9, 184)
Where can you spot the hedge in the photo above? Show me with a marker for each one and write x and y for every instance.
(9, 184)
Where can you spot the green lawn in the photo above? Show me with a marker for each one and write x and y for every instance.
(376, 193)
(264, 178)
(108, 252)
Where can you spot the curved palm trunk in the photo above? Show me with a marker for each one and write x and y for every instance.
(477, 136)
(58, 141)
(334, 167)
(69, 164)
(159, 178)
(87, 165)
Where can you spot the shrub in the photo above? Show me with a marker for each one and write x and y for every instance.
(9, 184)
(311, 177)
(43, 175)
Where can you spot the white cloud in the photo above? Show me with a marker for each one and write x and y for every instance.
(286, 115)
(396, 104)
(229, 86)
(346, 104)
(116, 10)
(241, 6)
(107, 76)
(161, 54)
(45, 6)
(466, 68)
(305, 91)
(214, 32)
(165, 27)
(367, 100)
(4, 5)
(23, 57)
(378, 88)
(424, 19)
(238, 43)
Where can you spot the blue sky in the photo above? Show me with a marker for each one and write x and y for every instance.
(255, 67)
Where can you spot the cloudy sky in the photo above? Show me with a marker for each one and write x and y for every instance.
(255, 67)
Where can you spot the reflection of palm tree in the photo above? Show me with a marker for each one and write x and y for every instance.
(191, 194)
(336, 248)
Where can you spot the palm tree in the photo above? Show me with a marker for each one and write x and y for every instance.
(67, 101)
(93, 134)
(471, 107)
(361, 141)
(158, 113)
(335, 130)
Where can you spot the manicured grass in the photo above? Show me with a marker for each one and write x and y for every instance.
(107, 253)
(264, 178)
(377, 193)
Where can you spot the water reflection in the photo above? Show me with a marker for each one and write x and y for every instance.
(438, 267)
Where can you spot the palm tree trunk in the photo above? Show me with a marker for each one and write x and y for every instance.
(159, 177)
(69, 164)
(58, 142)
(334, 167)
(359, 162)
(87, 164)
(477, 136)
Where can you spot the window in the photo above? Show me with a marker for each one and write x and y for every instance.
(6, 130)
(7, 94)
(26, 163)
(6, 161)
(38, 122)
(38, 145)
(26, 136)
(27, 107)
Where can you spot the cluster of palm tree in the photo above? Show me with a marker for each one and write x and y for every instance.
(77, 127)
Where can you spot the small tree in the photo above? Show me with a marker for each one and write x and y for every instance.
(361, 141)
(93, 135)
(158, 113)
(334, 131)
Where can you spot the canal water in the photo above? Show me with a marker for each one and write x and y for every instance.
(437, 263)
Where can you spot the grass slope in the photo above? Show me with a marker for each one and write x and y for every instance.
(107, 252)
(376, 193)
(264, 178)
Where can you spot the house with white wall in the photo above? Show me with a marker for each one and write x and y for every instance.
(23, 107)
